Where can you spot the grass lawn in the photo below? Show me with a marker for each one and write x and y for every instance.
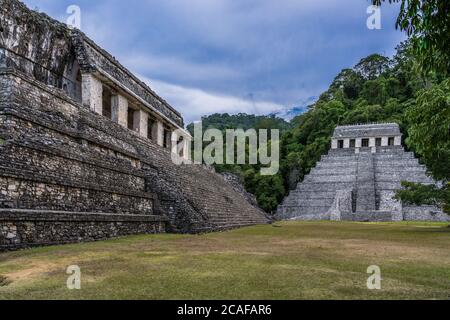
(290, 260)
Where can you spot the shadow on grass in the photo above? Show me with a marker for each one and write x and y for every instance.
(4, 281)
(433, 229)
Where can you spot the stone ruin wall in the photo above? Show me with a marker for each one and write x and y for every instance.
(68, 174)
(55, 185)
(43, 43)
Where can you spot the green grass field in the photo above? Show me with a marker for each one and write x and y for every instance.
(290, 260)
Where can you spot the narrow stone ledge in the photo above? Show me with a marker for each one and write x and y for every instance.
(17, 215)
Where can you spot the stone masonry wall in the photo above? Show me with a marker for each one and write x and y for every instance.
(35, 37)
(56, 186)
(21, 229)
(57, 155)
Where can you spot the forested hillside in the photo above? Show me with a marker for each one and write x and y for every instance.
(241, 121)
(377, 89)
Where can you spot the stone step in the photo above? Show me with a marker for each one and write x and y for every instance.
(400, 163)
(308, 209)
(326, 187)
(330, 178)
(289, 211)
(307, 194)
(336, 166)
(309, 202)
(404, 177)
(339, 158)
(399, 168)
(334, 171)
(394, 155)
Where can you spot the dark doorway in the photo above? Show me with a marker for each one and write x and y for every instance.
(378, 142)
(151, 123)
(130, 120)
(106, 103)
(352, 143)
(365, 143)
(391, 141)
(167, 138)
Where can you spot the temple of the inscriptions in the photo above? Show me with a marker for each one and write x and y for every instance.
(358, 178)
(86, 148)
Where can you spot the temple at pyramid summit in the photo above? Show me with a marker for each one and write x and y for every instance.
(358, 179)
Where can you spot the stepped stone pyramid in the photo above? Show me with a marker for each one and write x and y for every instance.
(358, 179)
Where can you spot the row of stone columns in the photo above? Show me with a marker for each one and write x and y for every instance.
(372, 142)
(92, 96)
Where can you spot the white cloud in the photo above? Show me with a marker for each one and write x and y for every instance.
(182, 70)
(194, 103)
(251, 56)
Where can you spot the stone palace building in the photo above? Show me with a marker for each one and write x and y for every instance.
(86, 147)
(358, 179)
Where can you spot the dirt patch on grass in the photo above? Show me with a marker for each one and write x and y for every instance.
(33, 272)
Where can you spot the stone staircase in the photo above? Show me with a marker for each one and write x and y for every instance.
(365, 183)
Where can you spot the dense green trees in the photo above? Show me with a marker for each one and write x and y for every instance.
(429, 132)
(414, 193)
(429, 136)
(269, 190)
(427, 23)
(241, 121)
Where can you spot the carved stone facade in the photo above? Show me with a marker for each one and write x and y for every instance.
(358, 179)
(86, 148)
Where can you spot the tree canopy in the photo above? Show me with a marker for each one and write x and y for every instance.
(427, 23)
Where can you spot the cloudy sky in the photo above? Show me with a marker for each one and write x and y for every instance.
(253, 56)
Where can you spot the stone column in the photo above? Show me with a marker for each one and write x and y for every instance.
(92, 93)
(371, 142)
(358, 143)
(140, 123)
(398, 141)
(186, 150)
(384, 141)
(159, 133)
(119, 108)
(174, 142)
(334, 144)
(346, 143)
